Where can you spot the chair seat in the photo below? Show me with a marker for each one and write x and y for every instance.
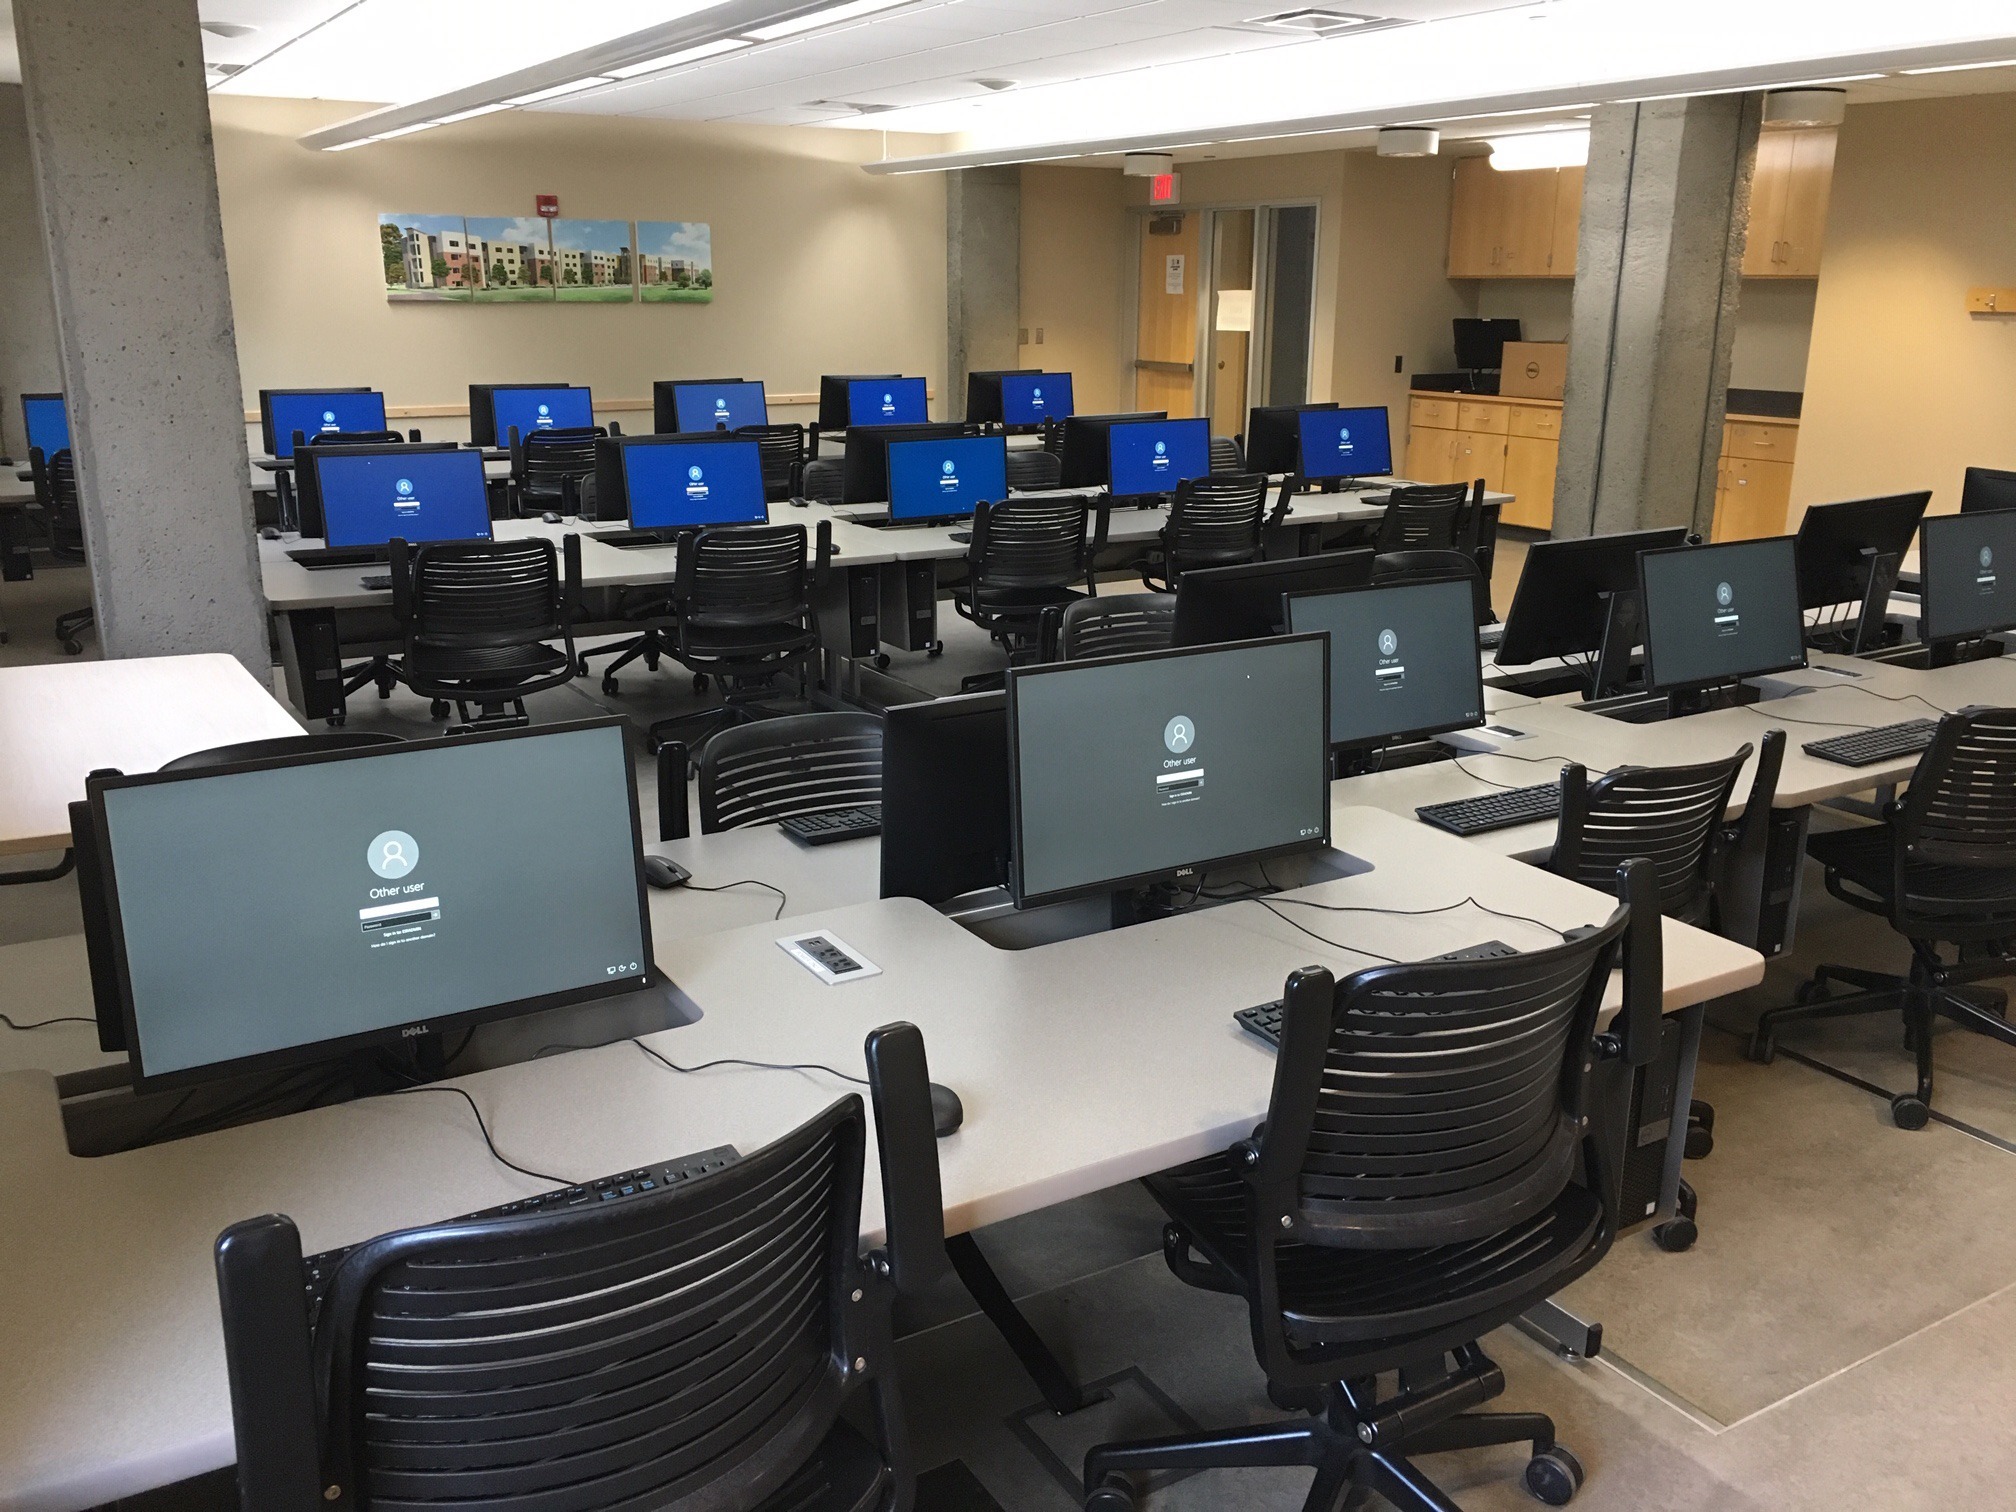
(719, 642)
(1862, 858)
(845, 1475)
(476, 665)
(1338, 1296)
(1006, 600)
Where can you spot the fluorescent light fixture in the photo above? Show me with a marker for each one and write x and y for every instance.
(1962, 67)
(399, 131)
(472, 113)
(818, 18)
(574, 86)
(1540, 149)
(712, 49)
(346, 146)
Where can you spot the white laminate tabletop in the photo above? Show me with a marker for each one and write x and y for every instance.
(43, 980)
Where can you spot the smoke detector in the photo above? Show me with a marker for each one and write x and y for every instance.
(1805, 107)
(1409, 141)
(1147, 164)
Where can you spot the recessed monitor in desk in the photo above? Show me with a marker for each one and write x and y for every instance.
(983, 392)
(718, 404)
(483, 413)
(1344, 443)
(681, 482)
(418, 493)
(1579, 598)
(1150, 457)
(1131, 770)
(1243, 602)
(315, 412)
(864, 475)
(46, 422)
(1084, 461)
(290, 910)
(944, 479)
(945, 796)
(1035, 398)
(887, 401)
(1274, 436)
(1718, 614)
(1967, 575)
(1987, 488)
(1403, 660)
(528, 410)
(1850, 554)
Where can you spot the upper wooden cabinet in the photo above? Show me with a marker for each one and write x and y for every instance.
(1788, 203)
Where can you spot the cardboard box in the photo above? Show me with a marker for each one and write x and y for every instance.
(1534, 369)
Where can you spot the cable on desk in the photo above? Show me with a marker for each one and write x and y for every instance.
(1333, 944)
(495, 1153)
(67, 1018)
(783, 898)
(1422, 913)
(736, 1060)
(1510, 787)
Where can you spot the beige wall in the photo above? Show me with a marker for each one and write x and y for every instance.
(28, 360)
(819, 267)
(1075, 248)
(1905, 387)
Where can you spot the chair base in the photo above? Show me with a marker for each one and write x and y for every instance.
(650, 648)
(70, 626)
(1358, 1445)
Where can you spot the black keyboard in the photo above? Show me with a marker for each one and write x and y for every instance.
(1867, 747)
(329, 558)
(1494, 811)
(630, 540)
(828, 825)
(321, 1269)
(380, 582)
(1264, 1021)
(1490, 637)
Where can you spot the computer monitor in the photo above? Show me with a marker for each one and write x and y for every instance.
(370, 494)
(1717, 614)
(943, 480)
(1480, 344)
(864, 467)
(1987, 488)
(834, 407)
(1083, 462)
(1035, 398)
(46, 422)
(315, 412)
(1962, 560)
(1344, 443)
(529, 410)
(1403, 660)
(713, 404)
(945, 796)
(483, 413)
(681, 482)
(983, 392)
(292, 909)
(1580, 598)
(1274, 436)
(1149, 457)
(1243, 602)
(1850, 553)
(1131, 770)
(887, 401)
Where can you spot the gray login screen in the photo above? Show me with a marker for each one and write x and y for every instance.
(268, 910)
(1138, 767)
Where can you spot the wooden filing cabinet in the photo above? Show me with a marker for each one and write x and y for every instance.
(1753, 485)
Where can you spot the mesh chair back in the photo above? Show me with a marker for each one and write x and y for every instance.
(780, 450)
(1118, 625)
(1227, 456)
(551, 457)
(762, 772)
(1031, 468)
(282, 745)
(683, 1349)
(1670, 816)
(1427, 517)
(743, 576)
(476, 606)
(1029, 543)
(825, 480)
(1960, 812)
(1435, 567)
(66, 519)
(1214, 522)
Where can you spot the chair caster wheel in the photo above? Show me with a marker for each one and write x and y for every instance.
(334, 721)
(1810, 991)
(1762, 1050)
(1554, 1477)
(1295, 1398)
(581, 667)
(438, 709)
(1113, 1494)
(935, 649)
(609, 686)
(881, 660)
(73, 648)
(699, 682)
(1700, 1144)
(1676, 1236)
(1907, 1112)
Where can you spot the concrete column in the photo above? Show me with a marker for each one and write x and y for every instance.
(1666, 201)
(119, 133)
(983, 275)
(28, 362)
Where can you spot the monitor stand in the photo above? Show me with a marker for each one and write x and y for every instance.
(1623, 629)
(1922, 656)
(1654, 708)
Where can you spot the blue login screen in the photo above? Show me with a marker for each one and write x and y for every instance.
(709, 406)
(1153, 456)
(316, 414)
(368, 497)
(1032, 398)
(1346, 443)
(886, 401)
(682, 484)
(940, 479)
(541, 409)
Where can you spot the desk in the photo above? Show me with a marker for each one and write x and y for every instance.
(61, 722)
(1081, 1064)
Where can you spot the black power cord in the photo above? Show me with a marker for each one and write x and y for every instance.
(783, 898)
(67, 1018)
(484, 1129)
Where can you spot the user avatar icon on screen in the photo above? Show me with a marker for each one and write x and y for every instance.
(393, 854)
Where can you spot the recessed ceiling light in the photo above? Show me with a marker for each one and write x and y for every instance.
(231, 30)
(712, 49)
(1962, 67)
(997, 85)
(573, 86)
(827, 17)
(1314, 22)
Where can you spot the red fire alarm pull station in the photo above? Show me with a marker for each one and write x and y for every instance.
(549, 205)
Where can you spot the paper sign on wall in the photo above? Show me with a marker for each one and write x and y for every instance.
(1172, 273)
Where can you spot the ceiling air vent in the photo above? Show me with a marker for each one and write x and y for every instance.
(1311, 22)
(845, 107)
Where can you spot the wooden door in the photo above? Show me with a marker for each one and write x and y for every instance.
(1480, 454)
(1567, 223)
(1766, 231)
(1755, 499)
(1526, 235)
(1431, 455)
(1474, 212)
(1165, 342)
(1808, 183)
(1229, 348)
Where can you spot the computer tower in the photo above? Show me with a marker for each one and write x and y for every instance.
(848, 611)
(909, 605)
(1651, 1126)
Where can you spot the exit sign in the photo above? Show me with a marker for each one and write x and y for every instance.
(549, 205)
(1163, 188)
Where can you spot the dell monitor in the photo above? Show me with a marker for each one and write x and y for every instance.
(670, 483)
(46, 422)
(371, 494)
(715, 404)
(1031, 399)
(944, 480)
(1719, 614)
(1480, 344)
(945, 796)
(1146, 458)
(1580, 598)
(529, 410)
(483, 413)
(315, 412)
(1084, 459)
(1343, 443)
(834, 408)
(1962, 561)
(1243, 602)
(369, 896)
(983, 392)
(1274, 437)
(1987, 488)
(1128, 771)
(887, 401)
(864, 476)
(1403, 660)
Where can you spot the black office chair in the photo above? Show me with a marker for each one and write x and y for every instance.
(300, 488)
(1437, 567)
(704, 1345)
(282, 745)
(1227, 455)
(825, 480)
(1117, 625)
(1031, 469)
(1441, 1152)
(1215, 521)
(477, 618)
(741, 614)
(1025, 556)
(55, 483)
(763, 772)
(550, 468)
(1429, 517)
(1941, 867)
(781, 451)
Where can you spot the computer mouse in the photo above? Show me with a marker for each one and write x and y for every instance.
(269, 532)
(550, 518)
(662, 873)
(947, 1112)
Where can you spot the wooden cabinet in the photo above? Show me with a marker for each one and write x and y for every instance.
(1481, 454)
(1511, 444)
(1753, 488)
(1530, 463)
(1788, 203)
(1510, 225)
